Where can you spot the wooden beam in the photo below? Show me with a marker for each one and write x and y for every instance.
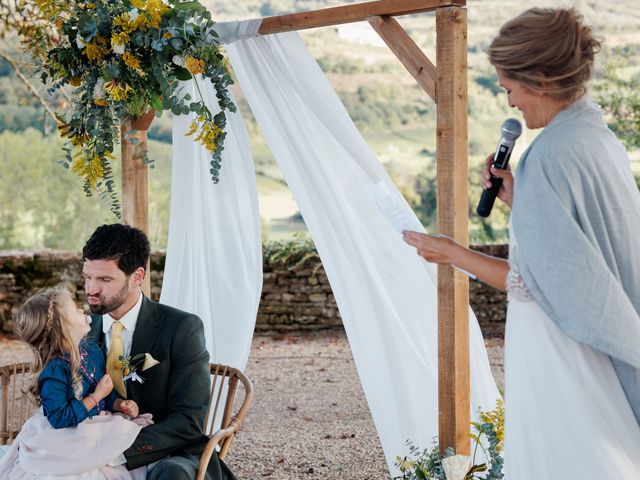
(453, 286)
(409, 54)
(355, 12)
(135, 189)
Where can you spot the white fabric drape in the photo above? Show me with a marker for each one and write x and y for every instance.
(386, 294)
(214, 254)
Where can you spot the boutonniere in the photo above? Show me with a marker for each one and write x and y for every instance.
(130, 366)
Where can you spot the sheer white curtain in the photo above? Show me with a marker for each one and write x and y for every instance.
(214, 253)
(386, 294)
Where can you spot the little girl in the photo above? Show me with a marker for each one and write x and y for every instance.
(71, 436)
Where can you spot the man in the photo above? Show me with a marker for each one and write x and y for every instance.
(126, 323)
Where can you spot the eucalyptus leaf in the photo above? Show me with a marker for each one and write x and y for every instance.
(176, 43)
(87, 27)
(183, 74)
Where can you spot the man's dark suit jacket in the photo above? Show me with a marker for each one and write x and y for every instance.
(175, 392)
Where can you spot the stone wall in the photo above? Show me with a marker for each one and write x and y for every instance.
(296, 294)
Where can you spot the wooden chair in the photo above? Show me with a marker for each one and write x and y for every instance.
(16, 404)
(222, 400)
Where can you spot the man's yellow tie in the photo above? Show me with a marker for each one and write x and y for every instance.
(116, 350)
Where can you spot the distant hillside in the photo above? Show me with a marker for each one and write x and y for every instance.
(394, 115)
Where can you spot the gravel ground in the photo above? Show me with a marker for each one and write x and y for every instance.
(309, 419)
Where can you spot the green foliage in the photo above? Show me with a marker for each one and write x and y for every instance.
(620, 101)
(16, 118)
(295, 253)
(487, 434)
(423, 464)
(381, 105)
(41, 205)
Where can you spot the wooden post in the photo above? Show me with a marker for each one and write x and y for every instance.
(453, 286)
(135, 196)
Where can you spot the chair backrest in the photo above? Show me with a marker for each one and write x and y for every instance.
(16, 403)
(222, 400)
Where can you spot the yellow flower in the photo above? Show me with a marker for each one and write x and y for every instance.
(208, 133)
(94, 52)
(77, 141)
(123, 21)
(74, 82)
(126, 371)
(101, 102)
(167, 36)
(151, 12)
(118, 91)
(130, 60)
(91, 170)
(90, 6)
(194, 65)
(193, 128)
(120, 38)
(119, 364)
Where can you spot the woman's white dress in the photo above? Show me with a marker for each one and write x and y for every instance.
(566, 415)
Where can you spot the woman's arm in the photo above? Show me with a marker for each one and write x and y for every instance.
(443, 250)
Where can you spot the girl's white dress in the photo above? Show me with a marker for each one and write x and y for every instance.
(566, 415)
(90, 451)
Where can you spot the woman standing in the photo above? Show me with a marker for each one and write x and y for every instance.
(572, 346)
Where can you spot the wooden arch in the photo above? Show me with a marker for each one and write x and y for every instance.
(446, 84)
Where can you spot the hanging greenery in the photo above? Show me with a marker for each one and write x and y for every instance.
(124, 58)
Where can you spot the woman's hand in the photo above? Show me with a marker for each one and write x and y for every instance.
(506, 190)
(128, 407)
(434, 248)
(445, 251)
(104, 387)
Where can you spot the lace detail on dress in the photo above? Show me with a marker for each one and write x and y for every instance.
(516, 285)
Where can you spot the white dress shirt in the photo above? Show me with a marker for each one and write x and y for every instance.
(128, 321)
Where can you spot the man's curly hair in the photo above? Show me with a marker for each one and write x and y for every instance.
(127, 245)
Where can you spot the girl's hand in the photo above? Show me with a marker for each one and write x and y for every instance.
(104, 387)
(128, 407)
(434, 248)
(506, 190)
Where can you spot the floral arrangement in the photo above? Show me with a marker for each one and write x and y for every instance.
(488, 435)
(130, 365)
(124, 58)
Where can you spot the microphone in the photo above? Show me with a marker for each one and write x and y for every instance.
(511, 130)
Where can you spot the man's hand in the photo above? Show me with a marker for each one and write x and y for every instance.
(128, 407)
(506, 190)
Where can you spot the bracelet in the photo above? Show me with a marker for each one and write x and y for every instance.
(95, 401)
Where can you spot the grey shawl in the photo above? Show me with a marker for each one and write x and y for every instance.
(576, 215)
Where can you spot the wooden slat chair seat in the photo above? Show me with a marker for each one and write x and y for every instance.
(16, 403)
(225, 381)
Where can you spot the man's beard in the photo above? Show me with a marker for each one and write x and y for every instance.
(110, 304)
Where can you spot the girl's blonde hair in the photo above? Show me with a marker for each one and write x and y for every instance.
(549, 41)
(40, 324)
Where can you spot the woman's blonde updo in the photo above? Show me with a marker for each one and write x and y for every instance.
(549, 41)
